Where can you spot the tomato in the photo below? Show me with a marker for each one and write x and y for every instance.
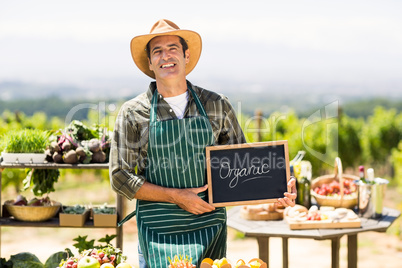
(334, 188)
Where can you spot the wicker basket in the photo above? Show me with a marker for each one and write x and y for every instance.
(32, 213)
(344, 201)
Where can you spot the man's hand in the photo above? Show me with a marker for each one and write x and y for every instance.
(290, 197)
(188, 200)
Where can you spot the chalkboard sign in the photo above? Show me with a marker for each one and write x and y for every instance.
(250, 173)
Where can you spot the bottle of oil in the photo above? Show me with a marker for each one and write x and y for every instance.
(303, 192)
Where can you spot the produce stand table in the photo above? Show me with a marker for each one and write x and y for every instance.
(263, 230)
(54, 222)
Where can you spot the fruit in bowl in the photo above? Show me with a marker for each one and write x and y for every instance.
(327, 191)
(106, 257)
(333, 188)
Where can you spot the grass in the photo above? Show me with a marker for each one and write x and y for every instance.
(24, 141)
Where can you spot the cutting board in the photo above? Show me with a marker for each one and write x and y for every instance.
(323, 224)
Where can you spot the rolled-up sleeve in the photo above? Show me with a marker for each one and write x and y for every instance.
(125, 155)
(231, 132)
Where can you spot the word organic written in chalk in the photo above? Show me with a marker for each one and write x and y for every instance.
(247, 173)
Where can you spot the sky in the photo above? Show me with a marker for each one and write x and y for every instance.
(352, 44)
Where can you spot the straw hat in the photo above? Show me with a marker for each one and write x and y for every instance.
(165, 27)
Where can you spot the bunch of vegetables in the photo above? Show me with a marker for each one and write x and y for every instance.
(42, 180)
(79, 144)
(108, 254)
(103, 253)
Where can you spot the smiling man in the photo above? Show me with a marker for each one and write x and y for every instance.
(158, 151)
(168, 60)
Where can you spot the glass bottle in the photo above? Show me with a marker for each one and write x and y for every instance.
(370, 176)
(292, 174)
(303, 192)
(361, 175)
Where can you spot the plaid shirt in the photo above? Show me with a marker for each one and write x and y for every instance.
(128, 154)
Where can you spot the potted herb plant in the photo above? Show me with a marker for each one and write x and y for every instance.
(104, 215)
(24, 146)
(73, 215)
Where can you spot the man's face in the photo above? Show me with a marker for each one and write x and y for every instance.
(167, 60)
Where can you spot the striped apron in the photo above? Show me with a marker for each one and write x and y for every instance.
(176, 159)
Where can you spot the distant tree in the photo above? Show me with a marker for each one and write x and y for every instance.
(350, 150)
(365, 108)
(381, 133)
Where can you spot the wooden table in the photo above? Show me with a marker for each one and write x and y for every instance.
(263, 230)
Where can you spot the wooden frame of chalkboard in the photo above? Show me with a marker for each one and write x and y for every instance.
(246, 174)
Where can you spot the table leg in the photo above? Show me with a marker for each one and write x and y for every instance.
(335, 245)
(352, 251)
(263, 249)
(285, 256)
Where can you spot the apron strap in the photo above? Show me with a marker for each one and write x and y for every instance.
(154, 102)
(152, 116)
(128, 217)
(198, 103)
